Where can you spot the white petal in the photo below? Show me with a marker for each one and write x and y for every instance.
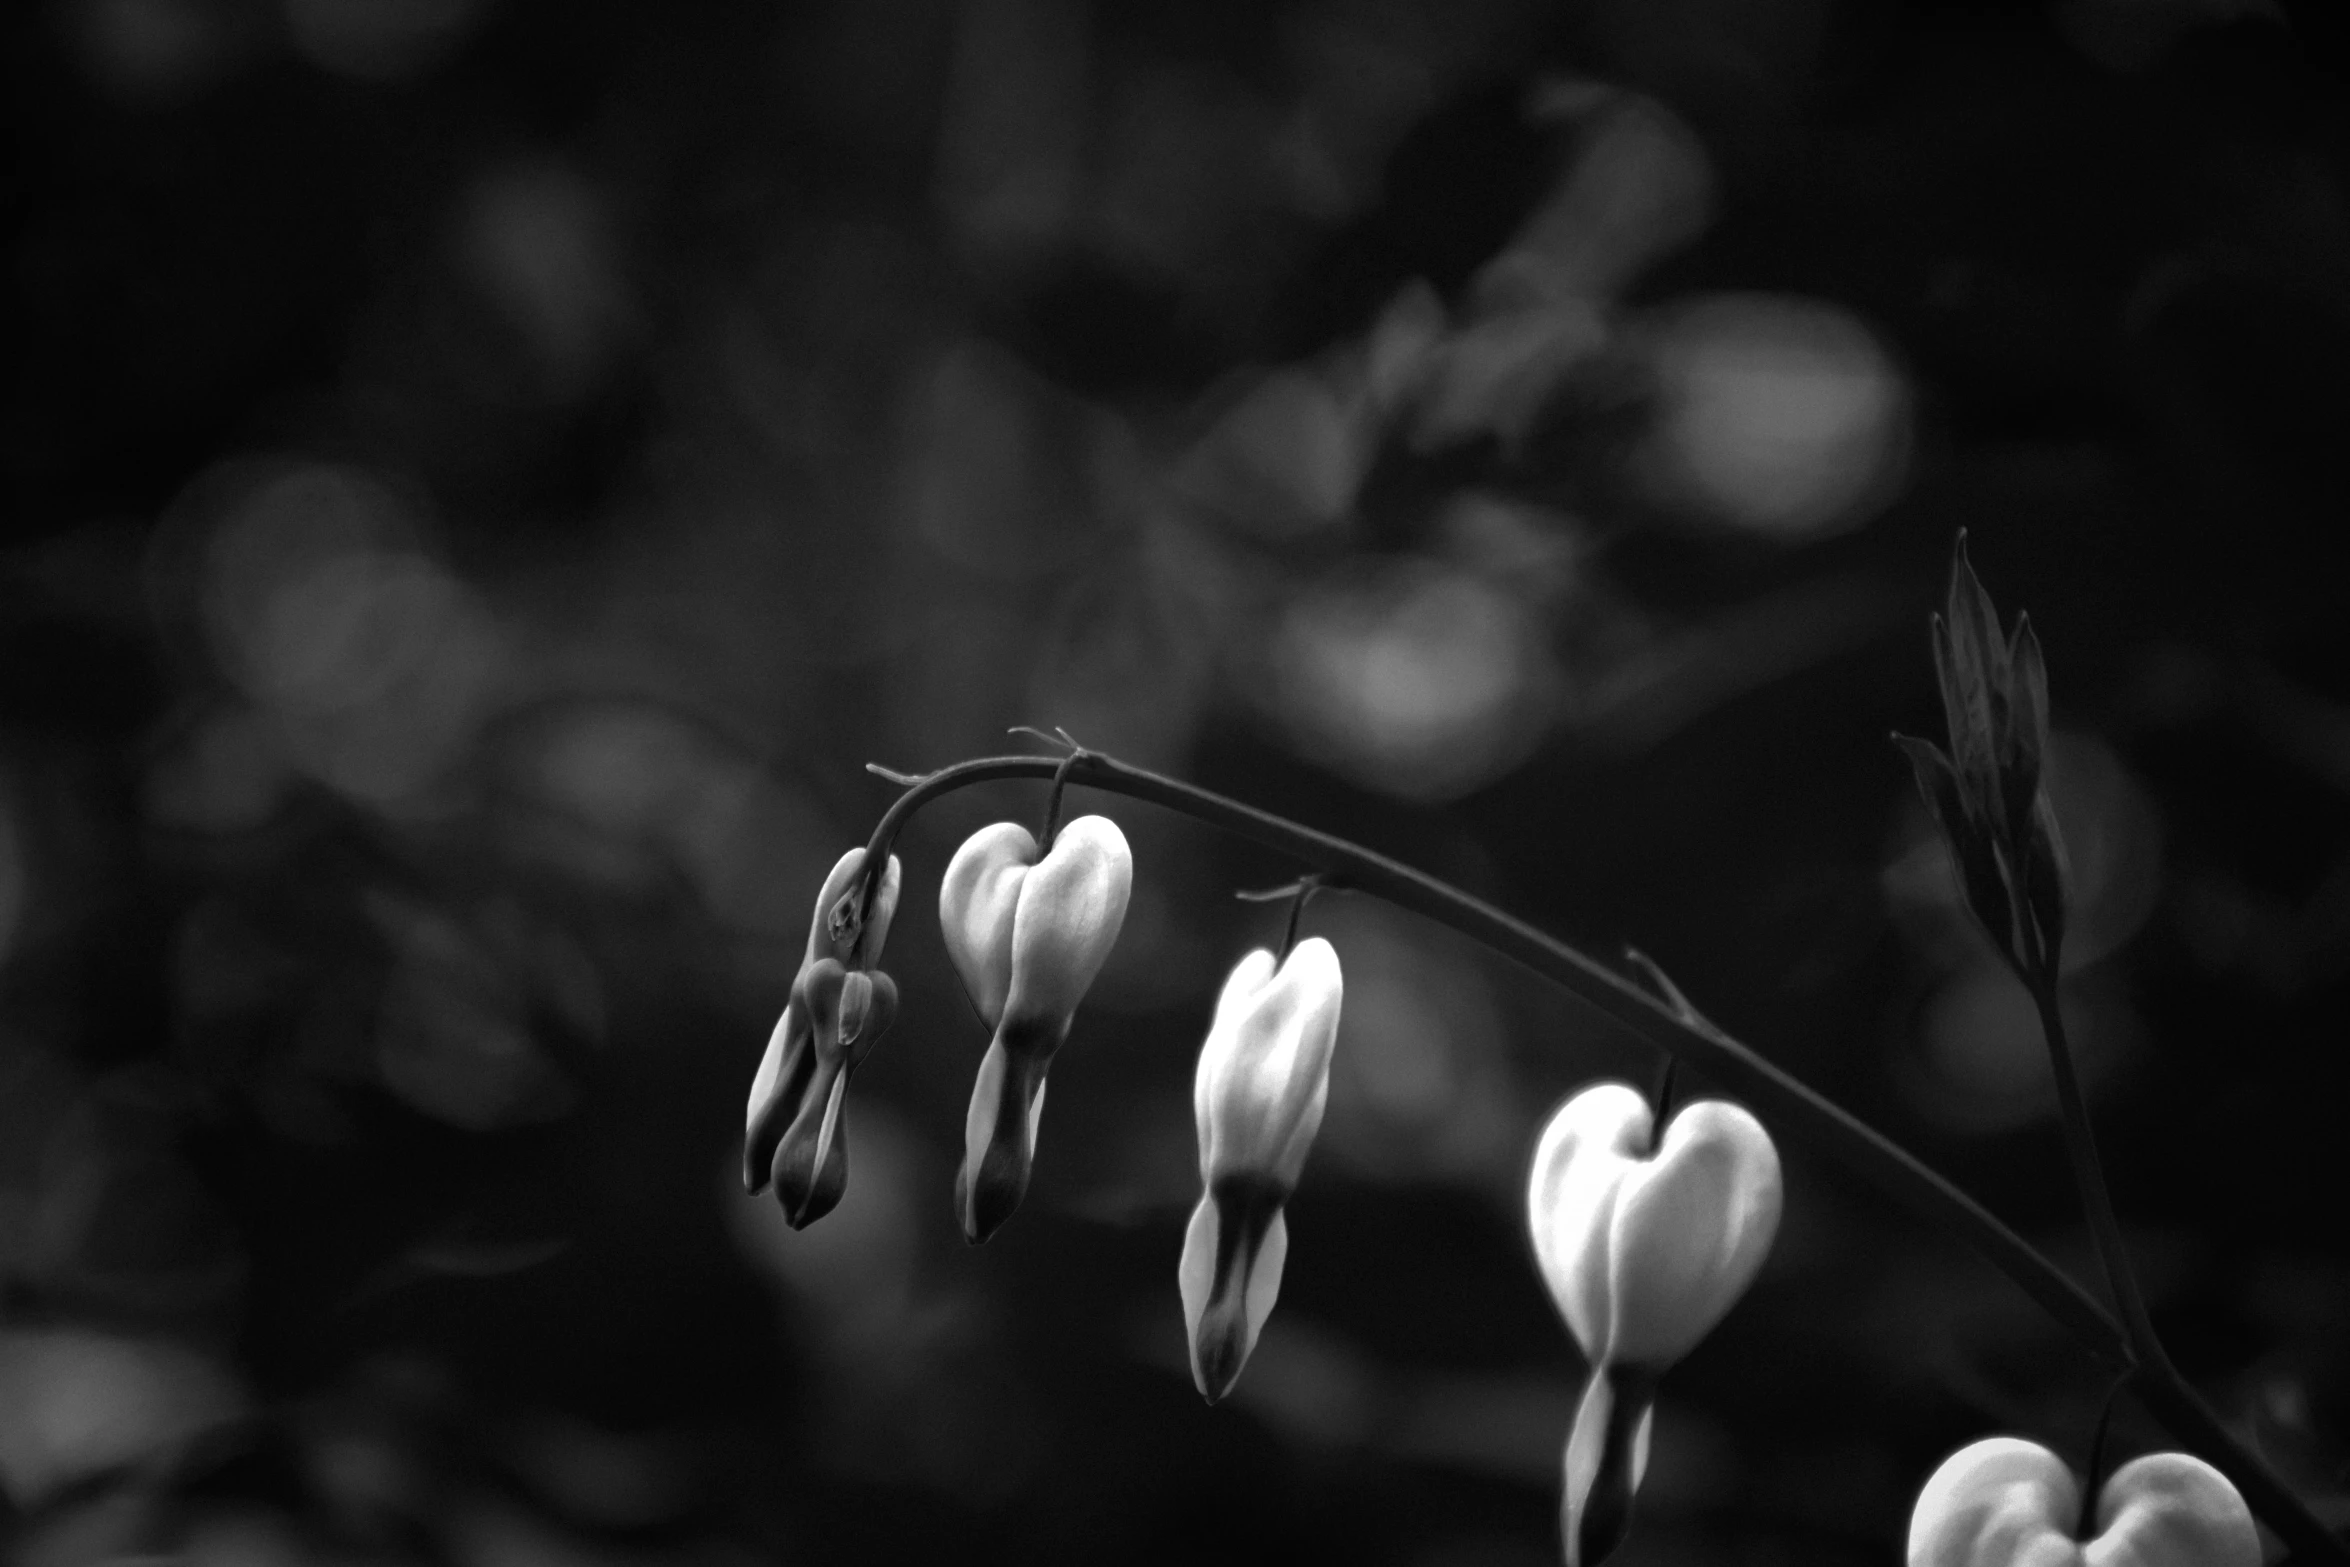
(2172, 1510)
(1067, 918)
(1586, 1150)
(2001, 1502)
(1691, 1228)
(976, 902)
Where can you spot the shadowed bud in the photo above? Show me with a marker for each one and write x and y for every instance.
(1263, 1079)
(796, 1128)
(1607, 1454)
(1027, 935)
(2005, 1502)
(1645, 1253)
(1986, 793)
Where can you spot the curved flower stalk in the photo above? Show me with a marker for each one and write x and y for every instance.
(1027, 935)
(2005, 1502)
(796, 1127)
(1645, 1244)
(1793, 1107)
(1263, 1079)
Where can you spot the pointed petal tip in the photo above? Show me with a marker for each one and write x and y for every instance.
(1217, 1358)
(982, 1206)
(990, 1207)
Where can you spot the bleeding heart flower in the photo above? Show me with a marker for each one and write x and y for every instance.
(796, 1130)
(1644, 1252)
(1027, 935)
(2005, 1502)
(1263, 1079)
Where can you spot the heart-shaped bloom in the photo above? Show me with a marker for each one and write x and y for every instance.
(1027, 934)
(1264, 1077)
(796, 1131)
(2005, 1502)
(1645, 1252)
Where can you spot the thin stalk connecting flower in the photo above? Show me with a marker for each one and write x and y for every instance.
(1989, 796)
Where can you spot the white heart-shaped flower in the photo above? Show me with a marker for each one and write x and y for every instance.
(1263, 1079)
(2005, 1502)
(1028, 934)
(1644, 1252)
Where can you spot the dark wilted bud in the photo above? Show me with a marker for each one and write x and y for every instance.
(796, 1130)
(1263, 1079)
(1986, 793)
(1027, 935)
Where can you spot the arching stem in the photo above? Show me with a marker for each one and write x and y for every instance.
(1793, 1108)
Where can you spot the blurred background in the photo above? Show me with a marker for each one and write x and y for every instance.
(485, 475)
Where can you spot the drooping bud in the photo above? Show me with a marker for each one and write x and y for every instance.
(1987, 793)
(1645, 1253)
(1262, 1083)
(796, 1130)
(2005, 1502)
(1607, 1454)
(1027, 935)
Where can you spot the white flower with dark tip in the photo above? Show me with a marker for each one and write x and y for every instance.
(1645, 1243)
(1264, 1077)
(1027, 933)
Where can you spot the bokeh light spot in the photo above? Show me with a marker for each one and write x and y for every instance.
(1779, 416)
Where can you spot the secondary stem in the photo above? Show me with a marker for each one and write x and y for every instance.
(2080, 1144)
(1785, 1101)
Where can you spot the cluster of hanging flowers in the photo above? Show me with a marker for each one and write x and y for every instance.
(1028, 927)
(1646, 1229)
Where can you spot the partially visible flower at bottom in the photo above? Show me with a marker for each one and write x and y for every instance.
(796, 1127)
(1263, 1079)
(1645, 1249)
(2006, 1502)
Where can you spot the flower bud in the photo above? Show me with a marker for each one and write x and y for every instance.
(2005, 1502)
(1607, 1454)
(1264, 1076)
(1986, 793)
(1027, 936)
(796, 1131)
(1645, 1253)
